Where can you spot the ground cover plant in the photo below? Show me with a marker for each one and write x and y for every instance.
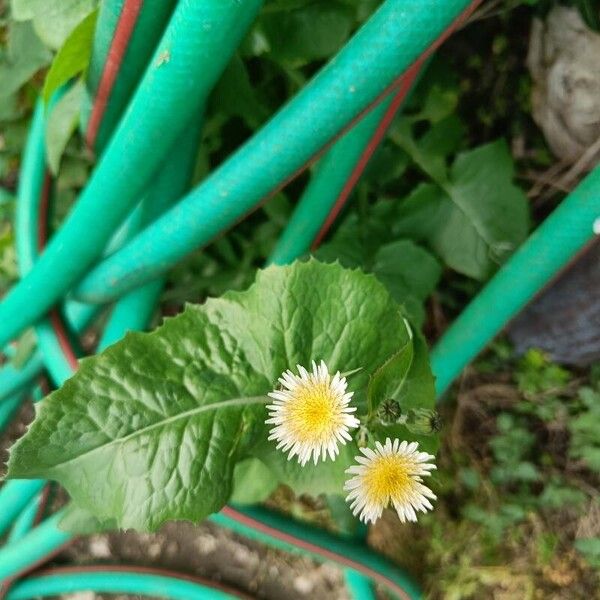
(308, 386)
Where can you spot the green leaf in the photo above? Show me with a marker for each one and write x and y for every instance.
(322, 478)
(78, 521)
(62, 123)
(308, 33)
(235, 96)
(253, 482)
(152, 428)
(590, 548)
(73, 57)
(53, 20)
(387, 382)
(429, 158)
(410, 274)
(25, 348)
(25, 55)
(440, 103)
(476, 218)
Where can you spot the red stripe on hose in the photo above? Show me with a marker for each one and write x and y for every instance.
(116, 52)
(63, 338)
(313, 548)
(405, 85)
(6, 584)
(122, 34)
(42, 503)
(406, 81)
(43, 210)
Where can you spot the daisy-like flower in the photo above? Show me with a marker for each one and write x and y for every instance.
(390, 474)
(311, 413)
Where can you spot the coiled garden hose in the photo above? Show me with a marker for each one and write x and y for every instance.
(124, 28)
(201, 37)
(335, 176)
(130, 312)
(47, 538)
(57, 539)
(363, 72)
(32, 213)
(569, 228)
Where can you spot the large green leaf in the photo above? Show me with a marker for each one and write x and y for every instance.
(152, 428)
(253, 482)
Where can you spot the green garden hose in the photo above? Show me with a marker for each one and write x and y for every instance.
(326, 183)
(115, 580)
(201, 37)
(364, 70)
(171, 183)
(569, 228)
(15, 496)
(115, 22)
(127, 32)
(335, 176)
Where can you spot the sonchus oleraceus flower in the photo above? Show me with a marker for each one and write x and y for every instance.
(390, 474)
(311, 413)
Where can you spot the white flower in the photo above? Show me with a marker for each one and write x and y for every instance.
(392, 473)
(311, 413)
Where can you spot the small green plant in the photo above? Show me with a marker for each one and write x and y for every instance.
(527, 473)
(158, 426)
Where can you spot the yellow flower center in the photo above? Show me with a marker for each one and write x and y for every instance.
(388, 477)
(314, 412)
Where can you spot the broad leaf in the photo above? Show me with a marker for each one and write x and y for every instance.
(389, 380)
(82, 522)
(152, 428)
(73, 57)
(410, 273)
(475, 218)
(323, 478)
